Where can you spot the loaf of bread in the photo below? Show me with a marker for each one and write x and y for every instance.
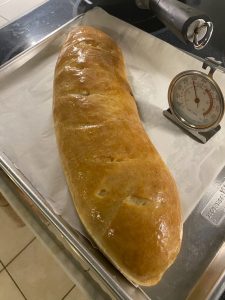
(123, 192)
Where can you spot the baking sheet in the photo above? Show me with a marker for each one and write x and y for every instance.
(26, 125)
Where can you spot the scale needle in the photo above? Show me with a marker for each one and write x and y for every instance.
(197, 100)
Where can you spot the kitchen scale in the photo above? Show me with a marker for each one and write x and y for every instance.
(196, 103)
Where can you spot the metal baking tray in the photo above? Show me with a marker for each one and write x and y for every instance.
(201, 261)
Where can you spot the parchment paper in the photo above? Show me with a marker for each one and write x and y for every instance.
(26, 125)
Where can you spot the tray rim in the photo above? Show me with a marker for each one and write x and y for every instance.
(25, 186)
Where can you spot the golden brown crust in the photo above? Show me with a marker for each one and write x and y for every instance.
(123, 192)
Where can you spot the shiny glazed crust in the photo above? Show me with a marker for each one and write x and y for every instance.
(122, 190)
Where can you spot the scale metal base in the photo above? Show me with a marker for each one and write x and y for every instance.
(202, 137)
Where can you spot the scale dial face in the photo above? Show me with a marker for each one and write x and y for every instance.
(196, 100)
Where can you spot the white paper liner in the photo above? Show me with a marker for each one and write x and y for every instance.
(26, 126)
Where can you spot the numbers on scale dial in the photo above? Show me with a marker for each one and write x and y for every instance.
(195, 100)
